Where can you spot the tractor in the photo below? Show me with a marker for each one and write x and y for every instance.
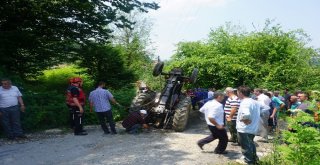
(170, 108)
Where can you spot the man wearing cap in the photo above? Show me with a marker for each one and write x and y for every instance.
(231, 110)
(135, 121)
(214, 116)
(76, 101)
(100, 99)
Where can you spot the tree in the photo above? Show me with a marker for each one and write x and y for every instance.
(36, 34)
(270, 58)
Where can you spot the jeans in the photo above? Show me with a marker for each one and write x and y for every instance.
(10, 120)
(134, 129)
(233, 131)
(216, 134)
(248, 147)
(102, 116)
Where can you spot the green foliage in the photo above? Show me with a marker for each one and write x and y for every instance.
(103, 62)
(38, 34)
(44, 110)
(57, 79)
(303, 145)
(270, 58)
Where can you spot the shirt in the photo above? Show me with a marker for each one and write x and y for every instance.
(100, 99)
(133, 119)
(264, 101)
(277, 102)
(249, 109)
(9, 97)
(232, 102)
(213, 109)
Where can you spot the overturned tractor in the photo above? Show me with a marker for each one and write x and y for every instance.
(171, 107)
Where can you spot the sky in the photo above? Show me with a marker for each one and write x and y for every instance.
(191, 20)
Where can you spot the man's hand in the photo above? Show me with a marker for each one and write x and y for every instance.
(228, 118)
(81, 109)
(22, 108)
(220, 127)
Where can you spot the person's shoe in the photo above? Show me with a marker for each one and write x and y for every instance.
(81, 133)
(241, 161)
(200, 146)
(235, 144)
(83, 130)
(222, 153)
(106, 132)
(113, 133)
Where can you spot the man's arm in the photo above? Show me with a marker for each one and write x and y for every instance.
(114, 101)
(76, 101)
(23, 108)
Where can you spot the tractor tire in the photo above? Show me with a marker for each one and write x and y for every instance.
(143, 101)
(181, 115)
(194, 75)
(157, 69)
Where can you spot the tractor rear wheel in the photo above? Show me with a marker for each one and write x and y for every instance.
(157, 69)
(181, 115)
(143, 101)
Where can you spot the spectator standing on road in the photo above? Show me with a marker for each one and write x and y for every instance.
(100, 99)
(135, 121)
(75, 102)
(231, 111)
(264, 101)
(247, 125)
(214, 116)
(10, 100)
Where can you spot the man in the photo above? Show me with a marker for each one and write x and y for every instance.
(10, 103)
(214, 116)
(100, 99)
(247, 125)
(75, 102)
(264, 101)
(305, 104)
(135, 121)
(231, 111)
(210, 93)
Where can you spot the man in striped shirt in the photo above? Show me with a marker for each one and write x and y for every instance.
(100, 99)
(231, 111)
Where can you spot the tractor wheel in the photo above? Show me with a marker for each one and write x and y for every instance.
(194, 75)
(143, 101)
(157, 69)
(180, 118)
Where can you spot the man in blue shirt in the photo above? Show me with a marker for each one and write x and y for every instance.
(100, 99)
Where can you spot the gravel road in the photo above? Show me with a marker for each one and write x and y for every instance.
(158, 147)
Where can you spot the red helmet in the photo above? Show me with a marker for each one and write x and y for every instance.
(75, 80)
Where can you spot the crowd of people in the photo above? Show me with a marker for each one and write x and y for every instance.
(246, 113)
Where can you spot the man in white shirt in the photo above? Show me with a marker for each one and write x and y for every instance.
(214, 116)
(247, 124)
(10, 100)
(264, 101)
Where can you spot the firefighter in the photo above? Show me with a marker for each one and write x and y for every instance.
(75, 102)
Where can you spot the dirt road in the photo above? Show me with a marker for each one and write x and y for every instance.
(159, 147)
